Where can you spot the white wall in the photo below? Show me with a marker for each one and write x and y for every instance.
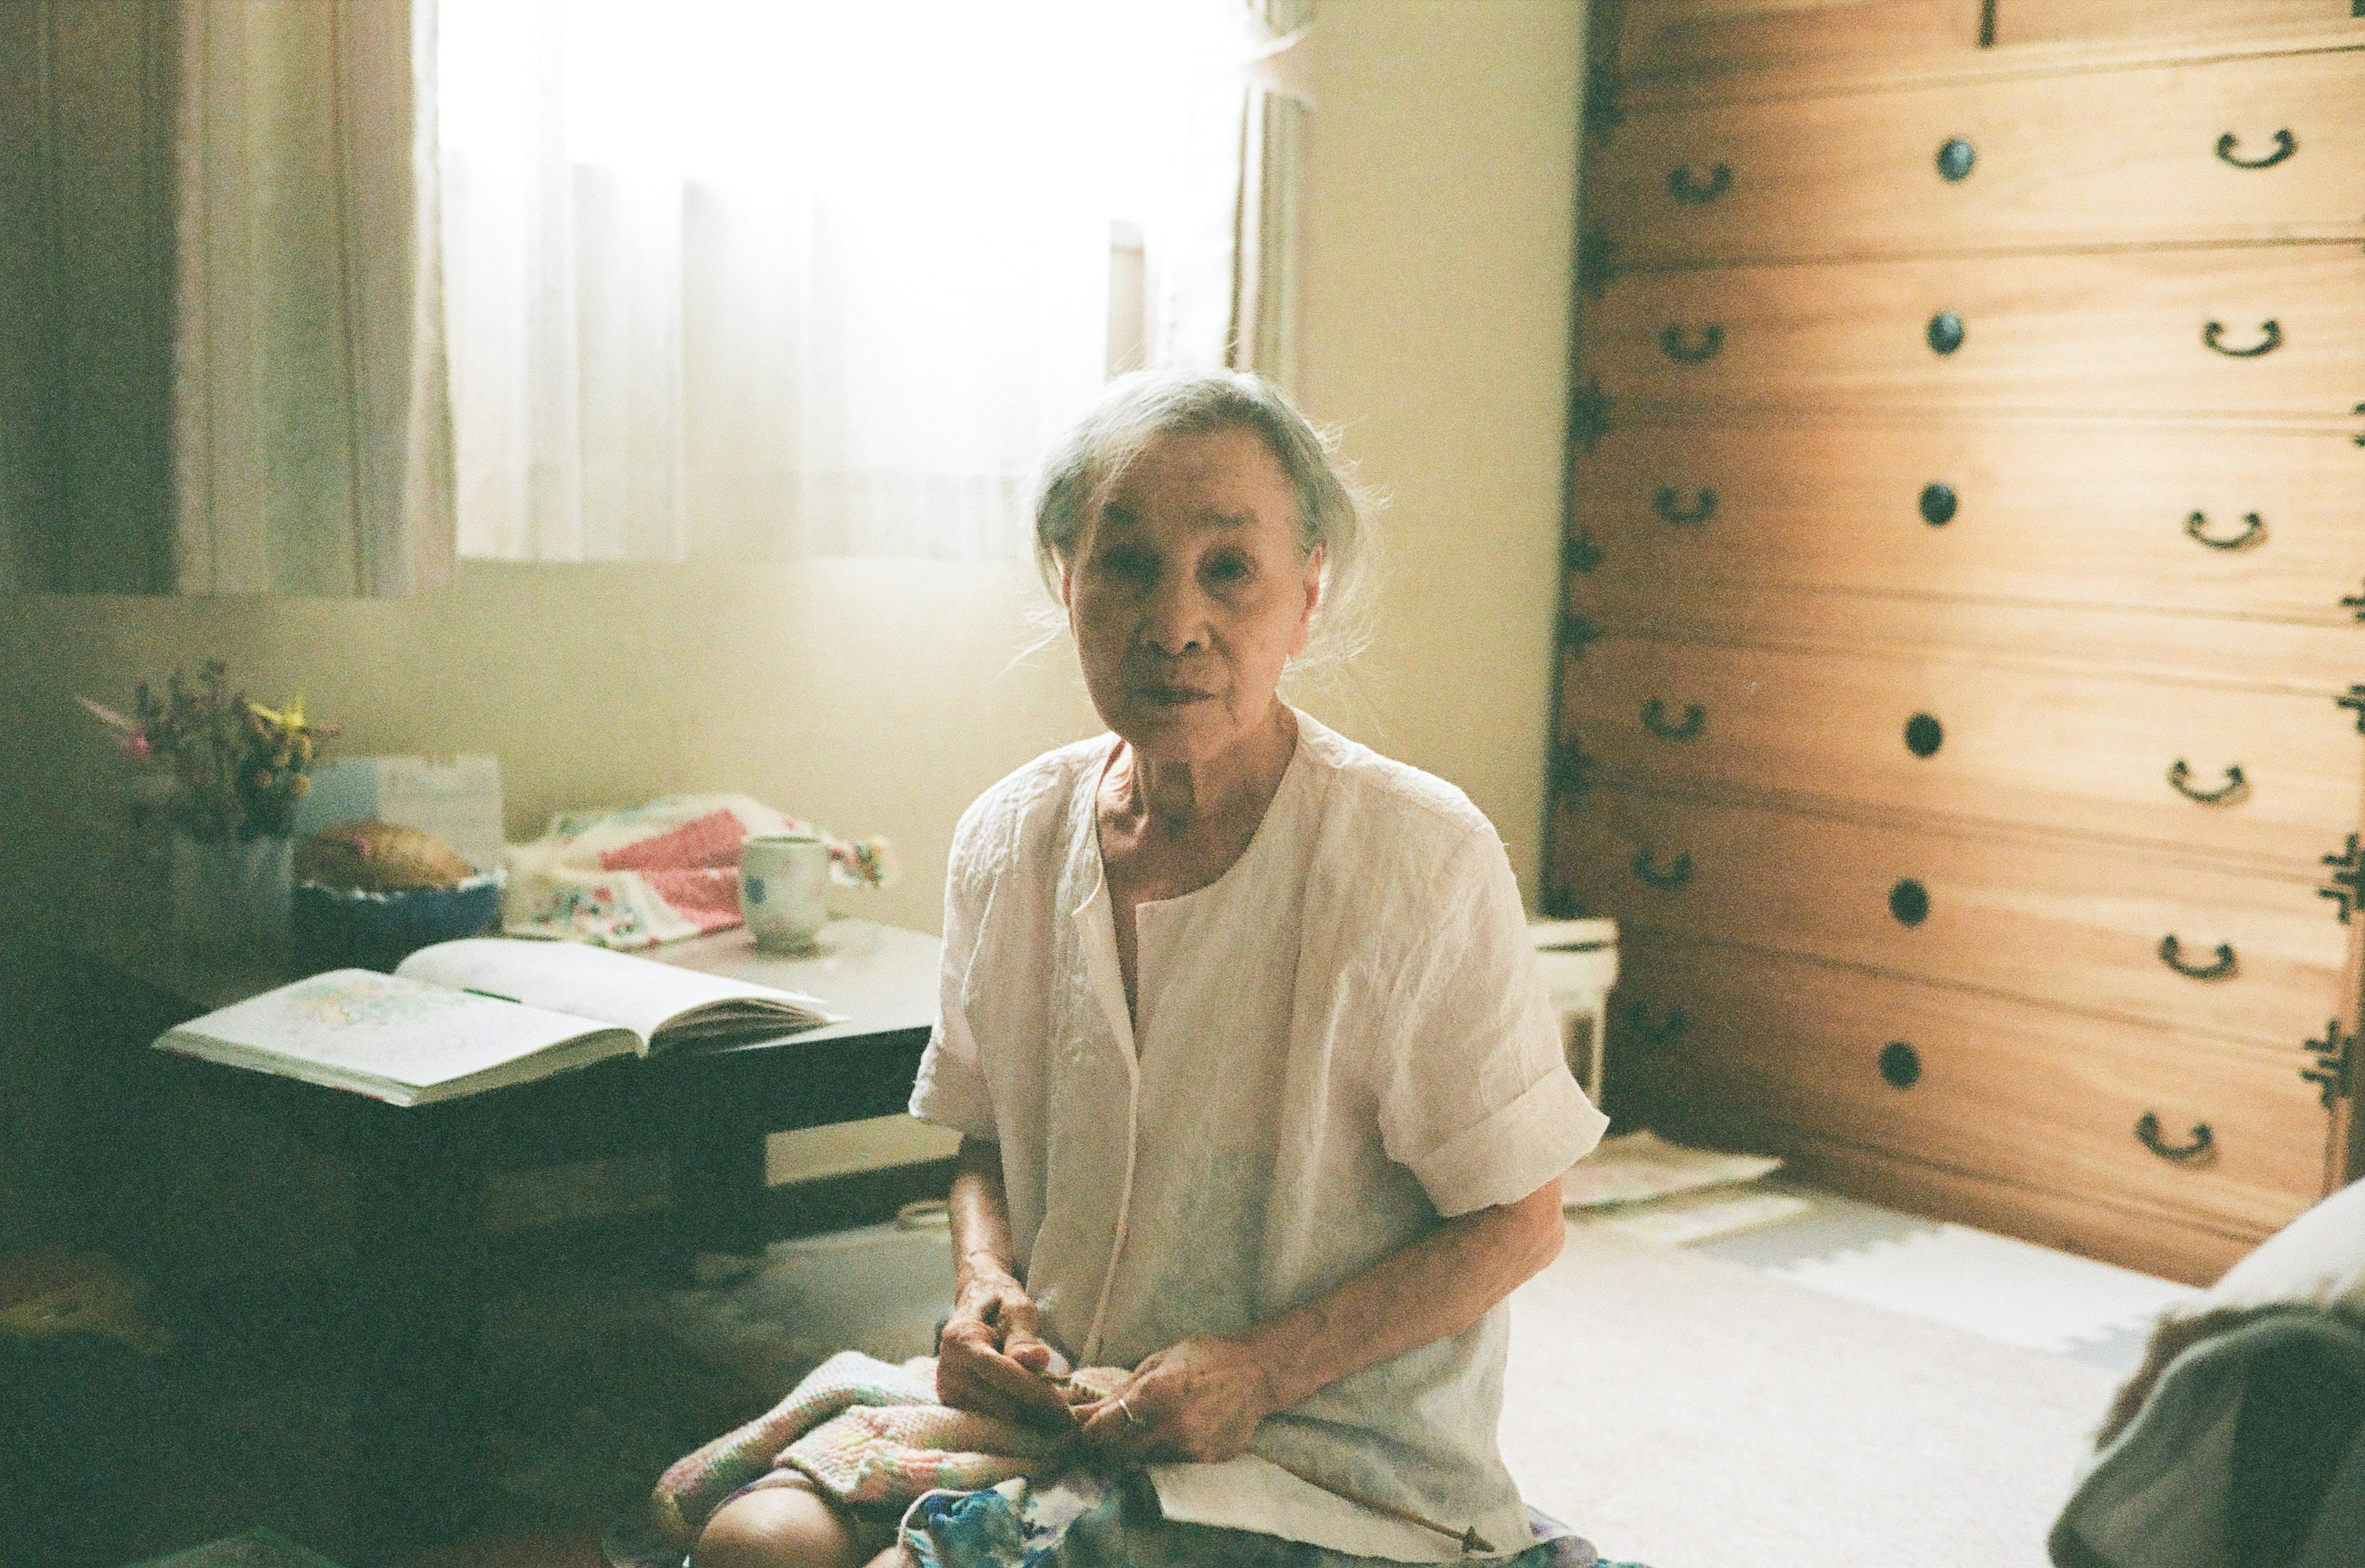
(1436, 330)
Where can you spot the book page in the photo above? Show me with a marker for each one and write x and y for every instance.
(639, 994)
(355, 1027)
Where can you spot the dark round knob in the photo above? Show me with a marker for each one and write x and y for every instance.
(1938, 503)
(1956, 158)
(1946, 332)
(1924, 734)
(1909, 900)
(1901, 1064)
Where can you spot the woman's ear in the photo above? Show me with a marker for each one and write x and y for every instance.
(1314, 563)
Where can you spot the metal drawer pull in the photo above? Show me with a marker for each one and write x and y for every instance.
(2335, 1063)
(1687, 187)
(1924, 734)
(1938, 504)
(1945, 332)
(1901, 1064)
(2213, 337)
(1654, 719)
(2171, 953)
(1955, 156)
(1678, 874)
(1677, 346)
(2254, 528)
(2285, 145)
(1666, 1032)
(1909, 900)
(2180, 778)
(1669, 506)
(2204, 1140)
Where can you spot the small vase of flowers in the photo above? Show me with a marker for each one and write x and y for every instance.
(233, 771)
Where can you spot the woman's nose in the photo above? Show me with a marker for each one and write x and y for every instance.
(1176, 618)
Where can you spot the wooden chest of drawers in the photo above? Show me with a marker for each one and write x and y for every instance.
(1962, 687)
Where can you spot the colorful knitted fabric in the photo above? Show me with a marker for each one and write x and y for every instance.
(1093, 1519)
(865, 1431)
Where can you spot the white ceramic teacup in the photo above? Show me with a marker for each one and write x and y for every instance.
(783, 882)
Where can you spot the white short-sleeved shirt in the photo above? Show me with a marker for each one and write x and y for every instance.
(1341, 1040)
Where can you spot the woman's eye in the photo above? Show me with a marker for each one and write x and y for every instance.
(1130, 566)
(1228, 569)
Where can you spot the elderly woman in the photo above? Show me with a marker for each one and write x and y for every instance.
(1260, 1092)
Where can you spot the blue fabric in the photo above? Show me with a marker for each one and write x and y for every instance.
(1105, 1520)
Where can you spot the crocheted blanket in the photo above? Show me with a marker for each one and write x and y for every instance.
(864, 1430)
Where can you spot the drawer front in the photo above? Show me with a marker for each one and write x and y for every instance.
(2191, 948)
(1676, 39)
(2039, 513)
(2101, 158)
(2275, 330)
(1721, 1040)
(1963, 740)
(2083, 21)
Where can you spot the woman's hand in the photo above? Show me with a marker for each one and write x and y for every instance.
(993, 1359)
(1199, 1400)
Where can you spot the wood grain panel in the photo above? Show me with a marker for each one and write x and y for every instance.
(2107, 158)
(2054, 923)
(2037, 513)
(2023, 1093)
(2134, 1236)
(2021, 22)
(1663, 39)
(2110, 332)
(2050, 749)
(2278, 656)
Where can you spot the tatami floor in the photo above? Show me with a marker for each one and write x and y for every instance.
(1992, 1285)
(602, 1384)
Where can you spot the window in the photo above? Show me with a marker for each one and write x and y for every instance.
(780, 277)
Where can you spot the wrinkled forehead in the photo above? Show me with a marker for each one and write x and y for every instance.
(1220, 481)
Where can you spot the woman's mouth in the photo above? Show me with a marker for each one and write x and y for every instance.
(1172, 696)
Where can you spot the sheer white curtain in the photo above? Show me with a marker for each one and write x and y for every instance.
(790, 277)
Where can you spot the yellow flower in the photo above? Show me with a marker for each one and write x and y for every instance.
(299, 786)
(289, 721)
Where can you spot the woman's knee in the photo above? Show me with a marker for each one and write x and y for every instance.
(779, 1526)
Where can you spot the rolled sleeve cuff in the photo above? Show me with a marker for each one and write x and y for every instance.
(1536, 1136)
(950, 1096)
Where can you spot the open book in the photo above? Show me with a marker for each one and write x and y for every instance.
(462, 1017)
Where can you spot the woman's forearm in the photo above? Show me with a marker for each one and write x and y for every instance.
(980, 1212)
(1434, 1288)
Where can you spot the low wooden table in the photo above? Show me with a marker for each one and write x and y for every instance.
(422, 1276)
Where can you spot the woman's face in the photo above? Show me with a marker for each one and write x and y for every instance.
(1188, 595)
